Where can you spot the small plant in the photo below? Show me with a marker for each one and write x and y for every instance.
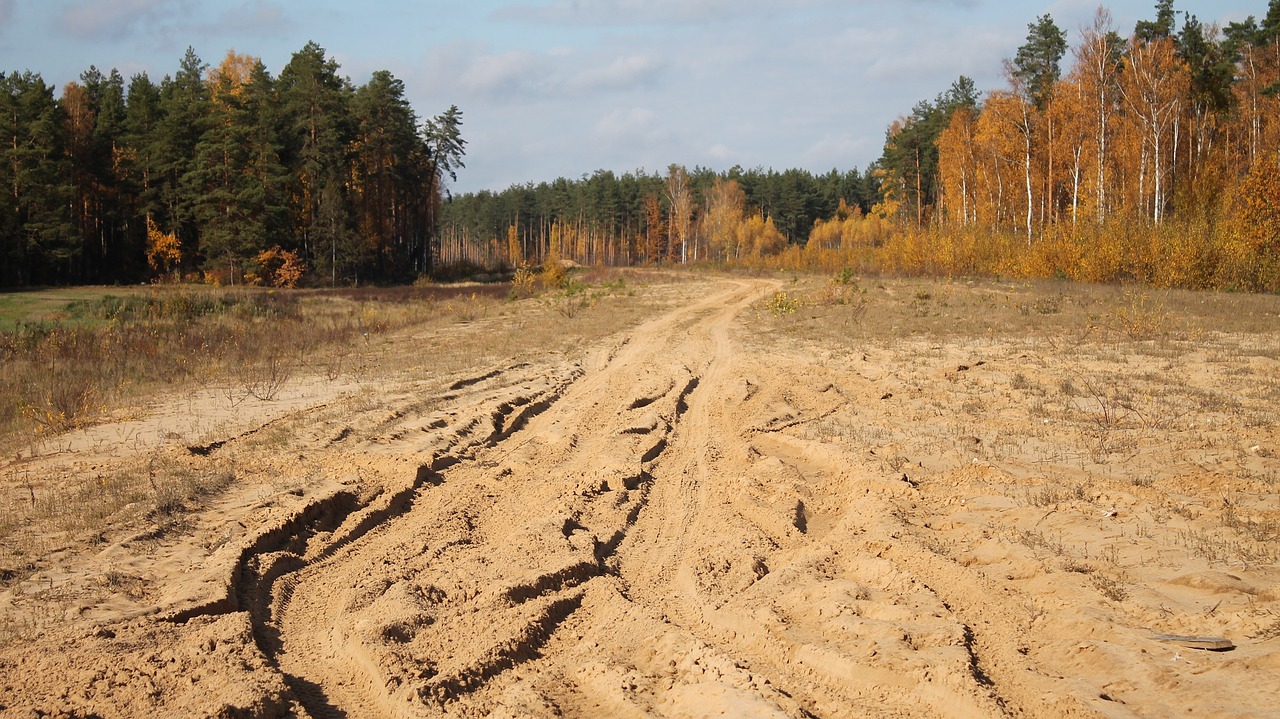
(1048, 305)
(469, 309)
(265, 381)
(573, 298)
(67, 402)
(1141, 318)
(525, 283)
(1108, 587)
(783, 304)
(1035, 539)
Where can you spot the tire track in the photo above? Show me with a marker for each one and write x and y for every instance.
(425, 609)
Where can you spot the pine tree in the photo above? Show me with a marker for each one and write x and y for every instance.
(40, 240)
(138, 156)
(386, 175)
(1160, 28)
(316, 120)
(1037, 61)
(229, 199)
(444, 149)
(184, 115)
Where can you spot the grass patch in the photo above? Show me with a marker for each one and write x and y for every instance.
(102, 351)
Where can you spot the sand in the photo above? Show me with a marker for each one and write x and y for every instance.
(715, 513)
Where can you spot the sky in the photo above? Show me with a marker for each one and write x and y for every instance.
(562, 88)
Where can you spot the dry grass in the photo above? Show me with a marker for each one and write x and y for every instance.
(1080, 391)
(105, 355)
(158, 489)
(101, 354)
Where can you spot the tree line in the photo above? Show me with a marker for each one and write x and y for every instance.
(1154, 157)
(638, 217)
(224, 174)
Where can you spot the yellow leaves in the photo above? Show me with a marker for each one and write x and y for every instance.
(515, 254)
(725, 203)
(958, 166)
(524, 285)
(230, 76)
(553, 274)
(759, 236)
(164, 252)
(846, 231)
(280, 268)
(1259, 214)
(891, 191)
(783, 304)
(1253, 235)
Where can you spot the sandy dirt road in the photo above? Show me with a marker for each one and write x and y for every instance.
(650, 531)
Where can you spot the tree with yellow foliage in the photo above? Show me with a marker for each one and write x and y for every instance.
(515, 253)
(957, 166)
(726, 202)
(1257, 227)
(164, 252)
(1153, 85)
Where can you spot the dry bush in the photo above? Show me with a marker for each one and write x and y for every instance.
(1141, 317)
(525, 283)
(553, 274)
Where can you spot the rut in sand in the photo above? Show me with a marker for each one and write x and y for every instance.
(707, 515)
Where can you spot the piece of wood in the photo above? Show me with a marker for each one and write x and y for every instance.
(1218, 643)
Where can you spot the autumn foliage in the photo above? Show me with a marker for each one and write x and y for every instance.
(1155, 159)
(164, 252)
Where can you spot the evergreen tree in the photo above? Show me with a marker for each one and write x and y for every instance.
(266, 177)
(139, 155)
(386, 176)
(184, 115)
(1160, 28)
(1037, 63)
(121, 258)
(229, 198)
(909, 163)
(40, 244)
(316, 119)
(1212, 69)
(445, 149)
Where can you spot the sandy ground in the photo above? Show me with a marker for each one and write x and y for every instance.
(717, 512)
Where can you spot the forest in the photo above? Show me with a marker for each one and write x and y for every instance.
(1154, 159)
(220, 174)
(1151, 157)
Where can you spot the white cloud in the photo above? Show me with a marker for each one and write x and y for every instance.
(252, 17)
(838, 150)
(516, 71)
(721, 153)
(94, 19)
(635, 124)
(632, 13)
(479, 73)
(626, 12)
(623, 72)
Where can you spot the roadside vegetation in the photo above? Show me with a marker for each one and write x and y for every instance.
(108, 349)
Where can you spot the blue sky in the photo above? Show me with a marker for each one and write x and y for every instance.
(552, 88)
